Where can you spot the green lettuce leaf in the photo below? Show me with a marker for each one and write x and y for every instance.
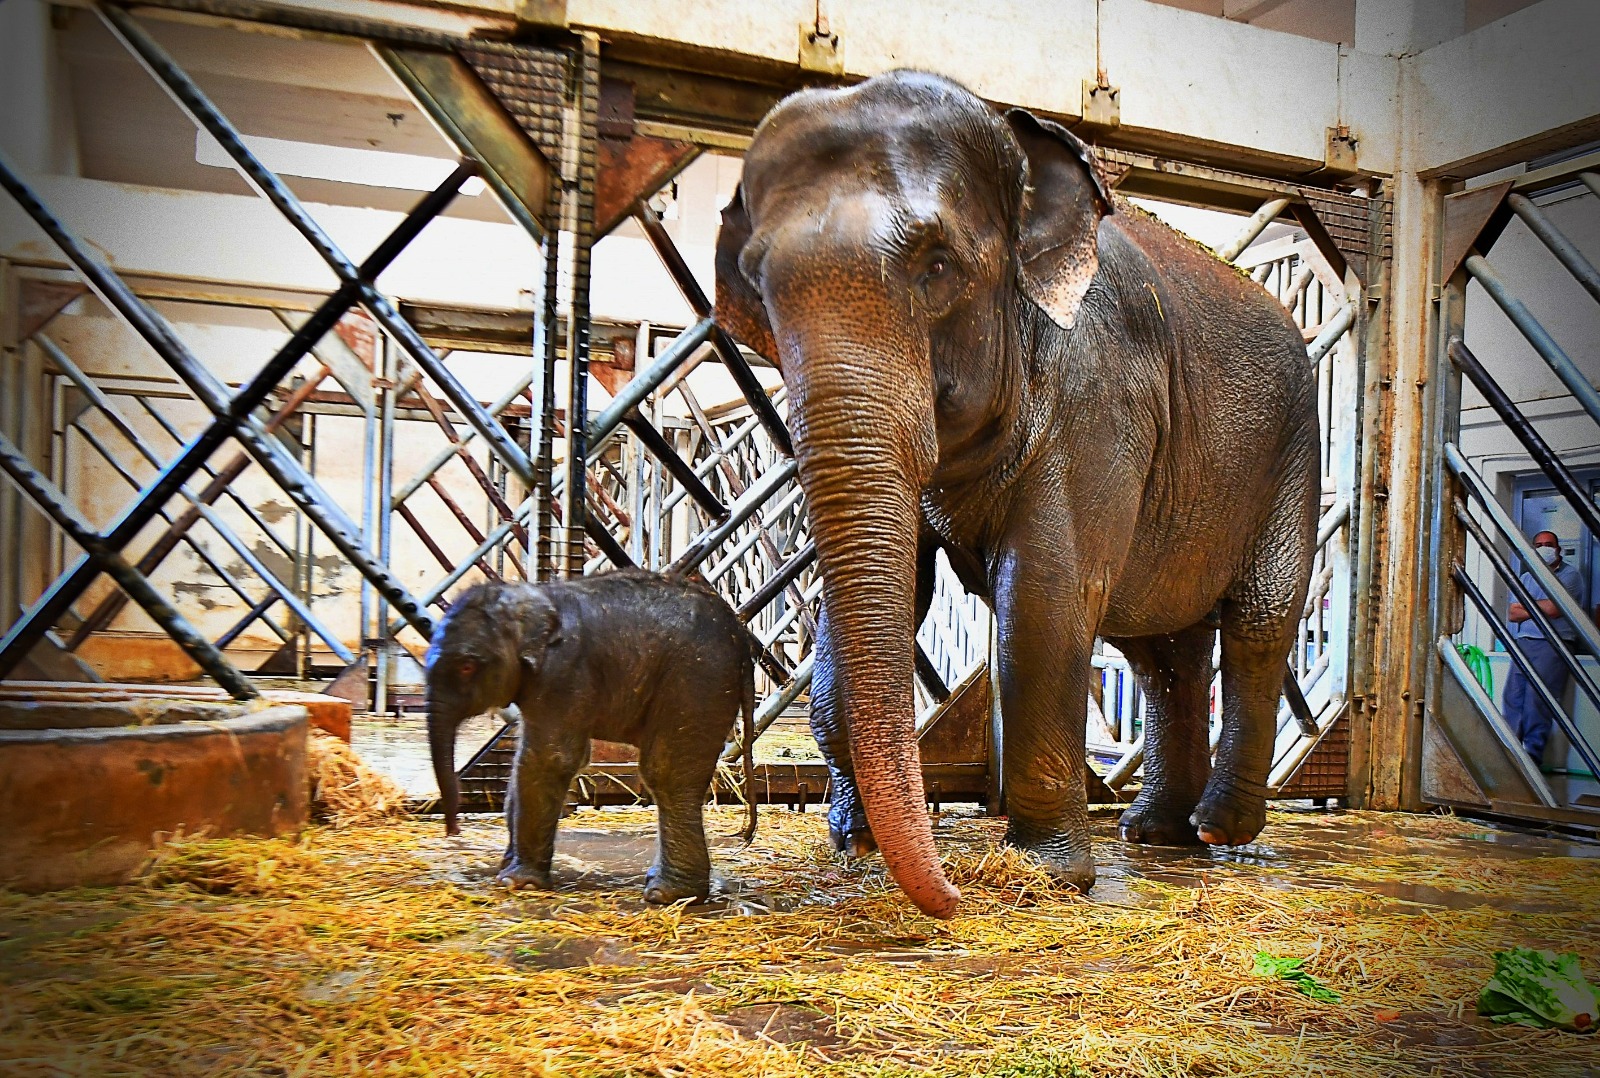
(1289, 969)
(1539, 988)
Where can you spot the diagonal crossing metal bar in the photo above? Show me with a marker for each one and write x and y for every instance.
(110, 459)
(732, 358)
(232, 414)
(104, 405)
(1525, 433)
(55, 505)
(1564, 249)
(221, 482)
(199, 108)
(1575, 380)
(1513, 645)
(273, 422)
(1475, 485)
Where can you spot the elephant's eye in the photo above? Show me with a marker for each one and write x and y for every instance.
(467, 667)
(938, 267)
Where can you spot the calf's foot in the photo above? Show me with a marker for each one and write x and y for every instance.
(663, 888)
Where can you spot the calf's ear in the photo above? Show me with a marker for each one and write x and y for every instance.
(541, 631)
(1064, 199)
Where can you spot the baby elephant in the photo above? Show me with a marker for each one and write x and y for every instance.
(657, 662)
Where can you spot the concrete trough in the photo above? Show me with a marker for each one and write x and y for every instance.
(90, 783)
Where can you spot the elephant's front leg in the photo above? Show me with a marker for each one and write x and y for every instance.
(1045, 643)
(546, 762)
(847, 817)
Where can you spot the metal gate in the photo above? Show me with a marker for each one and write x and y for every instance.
(535, 483)
(1514, 409)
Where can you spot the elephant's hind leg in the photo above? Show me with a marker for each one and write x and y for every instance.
(1175, 673)
(1259, 619)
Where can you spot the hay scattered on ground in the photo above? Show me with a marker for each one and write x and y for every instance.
(387, 950)
(344, 791)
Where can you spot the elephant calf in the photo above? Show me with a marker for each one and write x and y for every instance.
(658, 662)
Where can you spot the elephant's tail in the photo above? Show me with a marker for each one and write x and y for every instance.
(748, 707)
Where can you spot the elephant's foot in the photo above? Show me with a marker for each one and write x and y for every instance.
(662, 888)
(855, 843)
(1066, 859)
(517, 875)
(1150, 822)
(848, 830)
(1227, 816)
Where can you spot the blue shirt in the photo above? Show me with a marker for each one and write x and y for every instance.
(1570, 579)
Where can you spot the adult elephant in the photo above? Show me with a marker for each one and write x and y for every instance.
(1110, 431)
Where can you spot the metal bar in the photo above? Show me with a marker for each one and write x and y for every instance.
(233, 416)
(754, 498)
(1571, 377)
(199, 550)
(584, 141)
(705, 467)
(1586, 682)
(1508, 530)
(778, 581)
(1569, 255)
(641, 385)
(473, 468)
(433, 548)
(291, 404)
(1514, 649)
(1252, 228)
(1518, 424)
(1497, 724)
(221, 481)
(1591, 181)
(658, 447)
(104, 405)
(775, 705)
(1331, 333)
(250, 616)
(54, 504)
(732, 358)
(467, 523)
(199, 108)
(450, 452)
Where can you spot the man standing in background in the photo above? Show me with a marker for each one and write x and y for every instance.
(1530, 719)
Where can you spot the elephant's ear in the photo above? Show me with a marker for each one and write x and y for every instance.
(1064, 198)
(739, 308)
(541, 630)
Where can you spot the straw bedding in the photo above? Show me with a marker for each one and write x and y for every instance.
(386, 949)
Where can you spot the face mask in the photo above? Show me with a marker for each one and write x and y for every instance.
(1547, 554)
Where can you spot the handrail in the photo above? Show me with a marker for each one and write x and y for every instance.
(1503, 524)
(1587, 683)
(1536, 446)
(1568, 255)
(1497, 723)
(1566, 370)
(1514, 649)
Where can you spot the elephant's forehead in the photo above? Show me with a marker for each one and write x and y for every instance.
(890, 148)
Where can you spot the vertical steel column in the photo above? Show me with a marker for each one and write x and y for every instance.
(387, 401)
(586, 106)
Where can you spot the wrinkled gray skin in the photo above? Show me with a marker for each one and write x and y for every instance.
(657, 662)
(1108, 430)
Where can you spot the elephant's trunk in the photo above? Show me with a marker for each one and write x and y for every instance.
(442, 748)
(864, 452)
